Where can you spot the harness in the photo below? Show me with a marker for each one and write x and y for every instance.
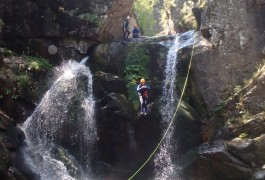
(144, 91)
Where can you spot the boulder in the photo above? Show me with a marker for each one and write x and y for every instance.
(236, 33)
(260, 2)
(114, 117)
(85, 22)
(250, 151)
(253, 127)
(197, 11)
(244, 150)
(149, 53)
(254, 99)
(259, 175)
(10, 91)
(110, 57)
(4, 160)
(105, 83)
(206, 32)
(14, 173)
(212, 161)
(148, 131)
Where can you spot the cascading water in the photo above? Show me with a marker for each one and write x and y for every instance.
(61, 132)
(164, 166)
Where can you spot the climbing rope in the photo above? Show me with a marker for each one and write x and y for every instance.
(172, 119)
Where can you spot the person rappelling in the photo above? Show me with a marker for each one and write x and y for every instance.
(142, 90)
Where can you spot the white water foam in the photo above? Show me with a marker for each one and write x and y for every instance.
(165, 167)
(45, 125)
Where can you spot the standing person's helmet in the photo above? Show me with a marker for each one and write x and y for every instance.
(142, 81)
(128, 17)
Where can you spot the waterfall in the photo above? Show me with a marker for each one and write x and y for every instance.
(61, 132)
(165, 167)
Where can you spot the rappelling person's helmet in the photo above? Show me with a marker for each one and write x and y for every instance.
(142, 81)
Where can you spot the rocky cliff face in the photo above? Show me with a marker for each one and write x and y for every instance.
(237, 29)
(120, 125)
(234, 131)
(230, 77)
(61, 29)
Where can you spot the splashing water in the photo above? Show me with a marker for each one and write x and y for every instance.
(164, 166)
(61, 131)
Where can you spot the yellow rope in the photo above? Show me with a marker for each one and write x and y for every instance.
(170, 124)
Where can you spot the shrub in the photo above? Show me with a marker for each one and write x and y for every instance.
(144, 10)
(36, 63)
(92, 18)
(136, 67)
(243, 135)
(22, 82)
(1, 24)
(220, 106)
(7, 52)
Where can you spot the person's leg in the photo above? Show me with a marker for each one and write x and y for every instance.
(142, 107)
(145, 105)
(128, 33)
(124, 34)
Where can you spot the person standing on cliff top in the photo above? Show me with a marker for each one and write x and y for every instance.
(126, 28)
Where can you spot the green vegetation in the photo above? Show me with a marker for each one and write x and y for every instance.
(220, 106)
(187, 18)
(246, 115)
(144, 10)
(33, 63)
(168, 4)
(238, 90)
(92, 18)
(202, 3)
(7, 91)
(243, 135)
(7, 52)
(138, 55)
(256, 75)
(22, 82)
(180, 81)
(28, 67)
(134, 73)
(36, 63)
(1, 24)
(136, 65)
(233, 120)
